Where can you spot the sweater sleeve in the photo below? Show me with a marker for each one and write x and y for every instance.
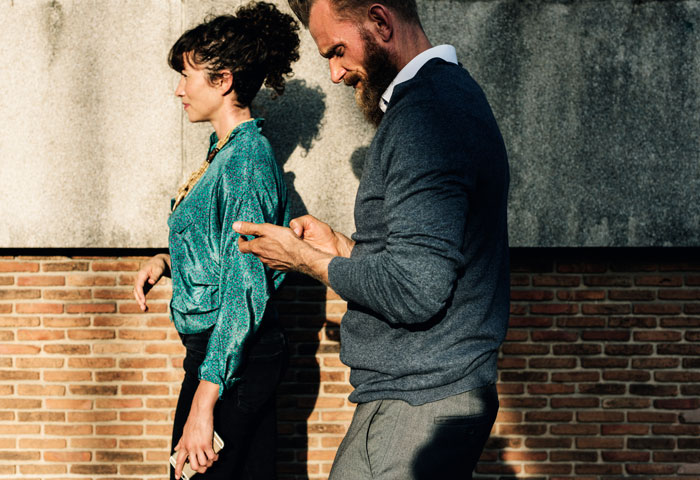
(426, 183)
(250, 195)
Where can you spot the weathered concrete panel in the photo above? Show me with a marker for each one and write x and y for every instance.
(597, 101)
(90, 145)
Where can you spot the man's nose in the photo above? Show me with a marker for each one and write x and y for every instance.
(337, 70)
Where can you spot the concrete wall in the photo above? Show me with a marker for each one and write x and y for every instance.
(597, 101)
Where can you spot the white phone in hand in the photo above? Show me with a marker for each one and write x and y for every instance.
(187, 471)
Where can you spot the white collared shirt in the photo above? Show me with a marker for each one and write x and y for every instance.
(445, 52)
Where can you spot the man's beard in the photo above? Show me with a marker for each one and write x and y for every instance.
(380, 71)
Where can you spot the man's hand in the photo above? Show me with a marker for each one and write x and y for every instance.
(321, 236)
(281, 249)
(148, 275)
(198, 434)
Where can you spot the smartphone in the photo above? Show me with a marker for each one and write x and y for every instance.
(187, 471)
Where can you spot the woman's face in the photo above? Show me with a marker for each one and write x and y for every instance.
(202, 100)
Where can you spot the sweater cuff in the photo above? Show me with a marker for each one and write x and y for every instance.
(339, 276)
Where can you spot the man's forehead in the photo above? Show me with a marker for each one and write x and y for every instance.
(326, 26)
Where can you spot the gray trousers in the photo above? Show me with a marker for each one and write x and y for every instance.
(392, 440)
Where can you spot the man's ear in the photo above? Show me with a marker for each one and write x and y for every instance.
(383, 21)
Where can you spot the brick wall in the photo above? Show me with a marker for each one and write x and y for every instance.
(600, 375)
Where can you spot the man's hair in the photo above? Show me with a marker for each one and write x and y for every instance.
(351, 9)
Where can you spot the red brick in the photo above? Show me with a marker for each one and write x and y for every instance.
(69, 457)
(605, 309)
(655, 363)
(629, 350)
(602, 388)
(93, 469)
(64, 266)
(547, 468)
(556, 280)
(676, 457)
(65, 322)
(607, 281)
(626, 403)
(14, 349)
(70, 349)
(625, 456)
(602, 443)
(651, 417)
(626, 376)
(91, 308)
(115, 266)
(550, 389)
(19, 321)
(606, 335)
(554, 336)
(18, 266)
(573, 456)
(19, 294)
(40, 335)
(554, 309)
(677, 404)
(41, 281)
(624, 429)
(579, 402)
(83, 280)
(658, 280)
(575, 429)
(677, 377)
(555, 416)
(577, 349)
(552, 363)
(581, 295)
(681, 322)
(649, 469)
(631, 295)
(555, 442)
(530, 322)
(657, 309)
(520, 349)
(575, 377)
(524, 376)
(632, 322)
(581, 322)
(530, 295)
(600, 417)
(678, 294)
(656, 336)
(678, 349)
(91, 334)
(39, 308)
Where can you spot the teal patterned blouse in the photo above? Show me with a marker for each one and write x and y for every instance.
(213, 282)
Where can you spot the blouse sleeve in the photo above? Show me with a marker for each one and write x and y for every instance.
(249, 192)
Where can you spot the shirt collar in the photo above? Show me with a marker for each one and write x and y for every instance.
(445, 52)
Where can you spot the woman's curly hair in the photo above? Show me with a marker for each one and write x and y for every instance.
(258, 44)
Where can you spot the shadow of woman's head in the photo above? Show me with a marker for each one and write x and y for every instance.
(294, 118)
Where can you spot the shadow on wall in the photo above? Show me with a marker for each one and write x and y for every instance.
(357, 161)
(293, 121)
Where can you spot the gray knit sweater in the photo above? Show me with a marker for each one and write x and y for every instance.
(427, 284)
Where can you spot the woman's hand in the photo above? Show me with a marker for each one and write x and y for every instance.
(197, 436)
(150, 273)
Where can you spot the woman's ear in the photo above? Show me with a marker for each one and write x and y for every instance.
(225, 81)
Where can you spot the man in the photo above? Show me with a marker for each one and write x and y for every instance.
(426, 275)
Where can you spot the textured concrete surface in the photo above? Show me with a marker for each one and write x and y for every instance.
(597, 101)
(91, 137)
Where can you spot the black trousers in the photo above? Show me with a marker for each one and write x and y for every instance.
(245, 417)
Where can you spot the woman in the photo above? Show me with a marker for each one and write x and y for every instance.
(235, 351)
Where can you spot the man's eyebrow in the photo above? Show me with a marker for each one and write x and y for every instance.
(330, 51)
